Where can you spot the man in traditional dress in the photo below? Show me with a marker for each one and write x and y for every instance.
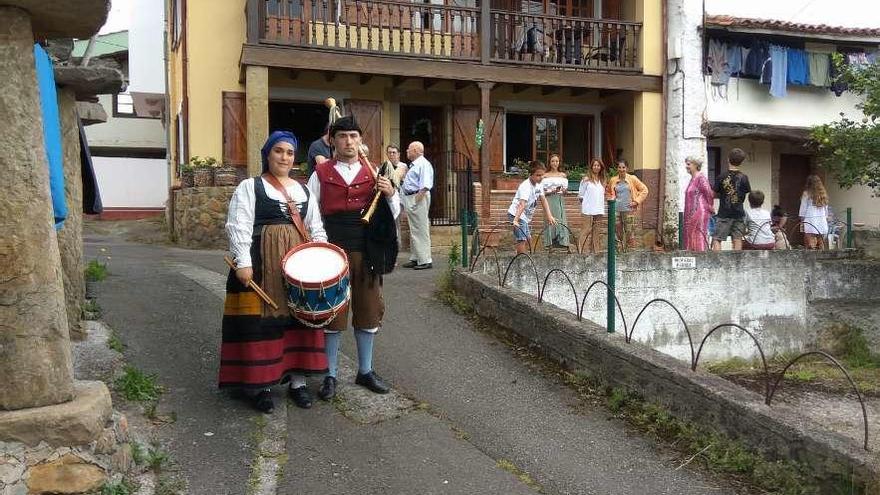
(344, 187)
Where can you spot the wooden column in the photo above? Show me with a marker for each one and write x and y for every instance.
(485, 32)
(485, 176)
(257, 99)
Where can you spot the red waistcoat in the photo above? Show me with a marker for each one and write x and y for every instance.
(339, 197)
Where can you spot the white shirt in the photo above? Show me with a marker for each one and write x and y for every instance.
(592, 195)
(553, 183)
(759, 226)
(349, 171)
(242, 209)
(530, 193)
(420, 176)
(815, 217)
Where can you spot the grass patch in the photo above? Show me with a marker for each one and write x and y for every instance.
(850, 344)
(121, 487)
(520, 474)
(95, 271)
(135, 385)
(138, 453)
(167, 485)
(91, 311)
(157, 458)
(114, 343)
(714, 451)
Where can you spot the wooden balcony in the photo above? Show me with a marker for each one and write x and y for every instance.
(432, 32)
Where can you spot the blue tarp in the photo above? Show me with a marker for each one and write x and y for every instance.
(51, 133)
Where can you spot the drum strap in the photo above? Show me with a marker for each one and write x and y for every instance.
(292, 208)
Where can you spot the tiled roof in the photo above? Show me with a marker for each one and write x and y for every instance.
(105, 44)
(776, 25)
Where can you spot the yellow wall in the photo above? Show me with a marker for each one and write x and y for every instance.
(215, 34)
(649, 13)
(647, 108)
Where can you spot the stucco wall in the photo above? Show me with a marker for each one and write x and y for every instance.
(132, 182)
(125, 132)
(766, 292)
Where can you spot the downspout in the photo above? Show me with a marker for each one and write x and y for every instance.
(172, 167)
(661, 211)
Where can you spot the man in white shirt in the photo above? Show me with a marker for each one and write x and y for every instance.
(416, 191)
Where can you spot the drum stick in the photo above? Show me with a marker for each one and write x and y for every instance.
(253, 285)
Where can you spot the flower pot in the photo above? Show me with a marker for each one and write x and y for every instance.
(507, 183)
(226, 175)
(186, 178)
(203, 177)
(574, 184)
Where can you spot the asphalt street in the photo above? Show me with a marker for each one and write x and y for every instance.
(477, 418)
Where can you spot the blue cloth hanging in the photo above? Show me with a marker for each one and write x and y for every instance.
(51, 132)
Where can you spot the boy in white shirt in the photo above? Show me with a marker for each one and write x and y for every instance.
(760, 235)
(524, 203)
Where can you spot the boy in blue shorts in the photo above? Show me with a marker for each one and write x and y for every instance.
(524, 203)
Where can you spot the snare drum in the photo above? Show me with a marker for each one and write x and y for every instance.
(317, 282)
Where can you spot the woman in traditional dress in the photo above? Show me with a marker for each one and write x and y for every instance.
(814, 212)
(592, 195)
(555, 183)
(698, 208)
(264, 346)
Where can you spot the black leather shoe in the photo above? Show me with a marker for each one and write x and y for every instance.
(301, 397)
(263, 402)
(328, 388)
(423, 266)
(372, 382)
(409, 264)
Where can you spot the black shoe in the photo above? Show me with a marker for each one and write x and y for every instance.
(410, 264)
(301, 397)
(372, 382)
(424, 266)
(328, 388)
(263, 402)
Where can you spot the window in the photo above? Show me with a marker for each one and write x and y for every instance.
(547, 132)
(123, 105)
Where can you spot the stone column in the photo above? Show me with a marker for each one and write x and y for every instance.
(257, 96)
(70, 241)
(35, 360)
(686, 102)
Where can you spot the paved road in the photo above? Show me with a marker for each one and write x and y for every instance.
(475, 409)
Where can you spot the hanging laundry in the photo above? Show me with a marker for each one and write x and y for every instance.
(779, 71)
(754, 61)
(837, 86)
(819, 64)
(716, 62)
(734, 59)
(857, 59)
(798, 69)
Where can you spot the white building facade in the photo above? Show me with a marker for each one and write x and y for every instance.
(719, 111)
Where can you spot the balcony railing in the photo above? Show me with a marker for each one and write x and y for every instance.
(429, 31)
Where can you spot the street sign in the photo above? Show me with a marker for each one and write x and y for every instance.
(684, 263)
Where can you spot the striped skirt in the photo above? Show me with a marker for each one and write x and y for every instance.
(262, 346)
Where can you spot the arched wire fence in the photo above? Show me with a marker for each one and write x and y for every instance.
(541, 287)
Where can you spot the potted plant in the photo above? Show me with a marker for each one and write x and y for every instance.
(575, 174)
(513, 177)
(203, 170)
(225, 175)
(186, 175)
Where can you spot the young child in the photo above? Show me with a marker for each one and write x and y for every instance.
(760, 235)
(524, 203)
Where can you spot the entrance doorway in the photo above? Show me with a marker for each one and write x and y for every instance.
(305, 120)
(793, 172)
(425, 124)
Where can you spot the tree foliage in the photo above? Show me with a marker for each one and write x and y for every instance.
(850, 149)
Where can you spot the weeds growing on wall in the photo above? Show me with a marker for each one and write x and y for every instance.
(445, 291)
(135, 385)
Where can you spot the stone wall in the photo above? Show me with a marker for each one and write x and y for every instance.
(779, 431)
(769, 293)
(200, 216)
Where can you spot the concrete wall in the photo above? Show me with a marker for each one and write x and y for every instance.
(708, 400)
(769, 293)
(132, 182)
(125, 132)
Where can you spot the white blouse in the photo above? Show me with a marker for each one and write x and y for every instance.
(815, 217)
(550, 184)
(348, 173)
(242, 209)
(592, 196)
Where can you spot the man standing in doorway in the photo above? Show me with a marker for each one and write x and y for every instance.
(320, 150)
(416, 189)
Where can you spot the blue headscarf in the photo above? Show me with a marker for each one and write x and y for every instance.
(275, 138)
